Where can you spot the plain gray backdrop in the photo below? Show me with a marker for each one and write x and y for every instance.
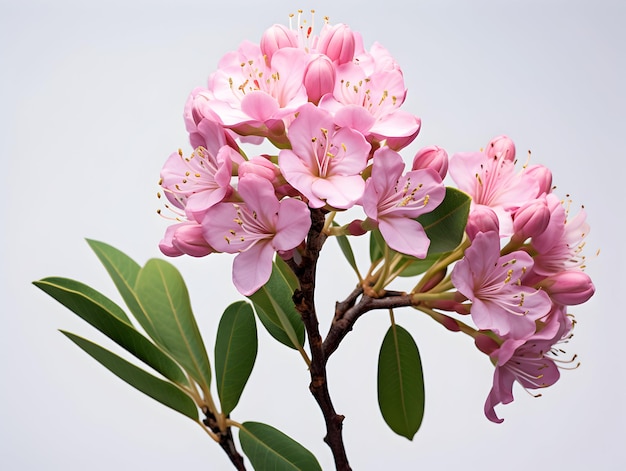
(91, 98)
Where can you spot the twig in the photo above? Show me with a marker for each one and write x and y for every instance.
(225, 440)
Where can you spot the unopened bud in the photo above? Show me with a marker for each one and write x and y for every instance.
(432, 157)
(481, 219)
(185, 238)
(531, 219)
(259, 165)
(319, 78)
(501, 146)
(569, 287)
(338, 43)
(277, 37)
(356, 228)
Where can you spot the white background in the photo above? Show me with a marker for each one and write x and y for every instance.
(91, 98)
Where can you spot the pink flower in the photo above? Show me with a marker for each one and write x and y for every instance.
(255, 230)
(370, 104)
(392, 201)
(492, 181)
(532, 362)
(493, 283)
(253, 97)
(324, 164)
(560, 246)
(198, 182)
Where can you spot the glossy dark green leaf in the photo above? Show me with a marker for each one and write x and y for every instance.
(445, 225)
(268, 448)
(110, 319)
(235, 353)
(274, 306)
(162, 391)
(123, 270)
(400, 382)
(162, 294)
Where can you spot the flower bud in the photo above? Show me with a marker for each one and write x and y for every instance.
(481, 219)
(185, 238)
(275, 38)
(356, 228)
(501, 146)
(531, 219)
(261, 166)
(338, 43)
(432, 157)
(569, 287)
(542, 175)
(319, 78)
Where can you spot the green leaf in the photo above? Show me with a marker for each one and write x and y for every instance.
(268, 448)
(377, 245)
(445, 225)
(123, 270)
(235, 353)
(274, 305)
(419, 266)
(164, 392)
(346, 249)
(110, 319)
(400, 382)
(163, 296)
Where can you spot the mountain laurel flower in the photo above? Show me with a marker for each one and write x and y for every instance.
(432, 157)
(255, 230)
(559, 248)
(492, 181)
(370, 104)
(198, 182)
(253, 97)
(500, 302)
(393, 201)
(529, 365)
(324, 164)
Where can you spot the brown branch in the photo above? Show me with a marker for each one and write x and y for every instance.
(226, 441)
(349, 311)
(305, 304)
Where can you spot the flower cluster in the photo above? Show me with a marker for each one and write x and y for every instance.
(524, 267)
(332, 110)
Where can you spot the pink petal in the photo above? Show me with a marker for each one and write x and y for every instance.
(252, 268)
(404, 235)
